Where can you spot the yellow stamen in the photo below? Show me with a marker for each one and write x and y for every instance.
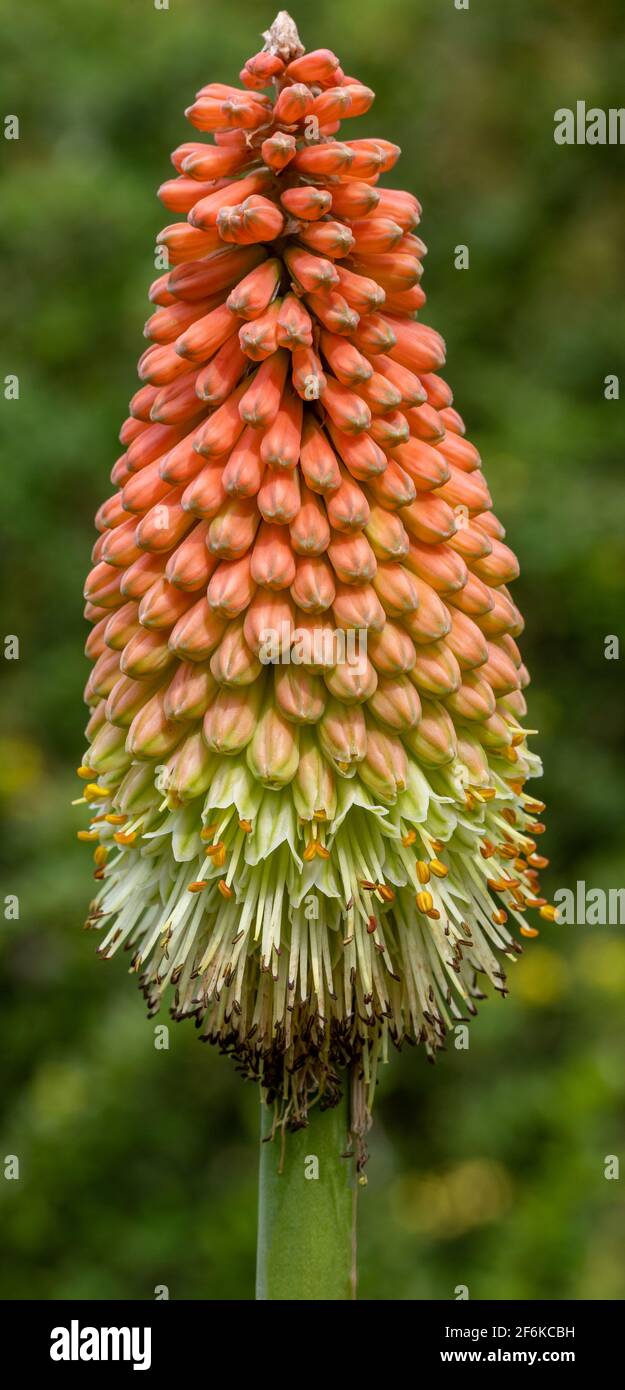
(409, 838)
(224, 889)
(549, 913)
(387, 895)
(246, 825)
(88, 835)
(100, 856)
(127, 837)
(529, 931)
(320, 815)
(207, 831)
(113, 819)
(92, 789)
(423, 871)
(217, 853)
(425, 901)
(198, 885)
(439, 870)
(86, 772)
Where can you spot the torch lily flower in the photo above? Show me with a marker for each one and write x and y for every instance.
(308, 756)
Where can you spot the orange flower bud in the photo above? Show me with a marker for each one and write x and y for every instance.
(343, 735)
(261, 402)
(308, 376)
(391, 650)
(197, 633)
(253, 295)
(345, 408)
(205, 211)
(312, 272)
(206, 494)
(309, 531)
(278, 150)
(327, 238)
(234, 663)
(206, 335)
(189, 691)
(313, 588)
(385, 768)
(281, 443)
(279, 497)
(259, 338)
(232, 531)
(396, 704)
(352, 558)
(320, 65)
(293, 104)
(231, 719)
(300, 696)
(255, 219)
(396, 589)
(215, 382)
(273, 562)
(347, 363)
(231, 587)
(319, 160)
(306, 202)
(151, 734)
(272, 754)
(317, 460)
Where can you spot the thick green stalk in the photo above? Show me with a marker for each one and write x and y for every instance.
(306, 1210)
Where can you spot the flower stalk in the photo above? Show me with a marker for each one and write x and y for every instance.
(307, 1209)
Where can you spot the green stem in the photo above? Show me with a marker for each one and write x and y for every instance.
(307, 1210)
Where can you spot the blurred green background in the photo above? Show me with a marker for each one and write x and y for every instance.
(138, 1166)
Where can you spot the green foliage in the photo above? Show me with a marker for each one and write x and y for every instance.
(138, 1165)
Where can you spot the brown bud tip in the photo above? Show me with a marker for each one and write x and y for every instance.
(283, 39)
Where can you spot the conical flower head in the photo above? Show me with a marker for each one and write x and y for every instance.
(307, 760)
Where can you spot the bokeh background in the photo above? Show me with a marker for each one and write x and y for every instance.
(138, 1166)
